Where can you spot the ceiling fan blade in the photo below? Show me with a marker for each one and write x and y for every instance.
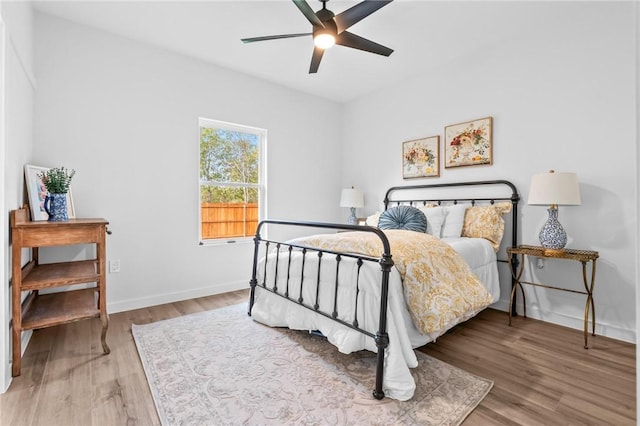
(315, 60)
(308, 12)
(273, 37)
(358, 12)
(354, 41)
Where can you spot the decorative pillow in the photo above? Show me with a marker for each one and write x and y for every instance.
(403, 217)
(486, 222)
(453, 220)
(373, 219)
(435, 219)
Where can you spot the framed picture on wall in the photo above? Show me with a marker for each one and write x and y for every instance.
(36, 193)
(469, 143)
(421, 158)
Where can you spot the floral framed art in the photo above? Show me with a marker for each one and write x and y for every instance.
(421, 158)
(36, 192)
(469, 143)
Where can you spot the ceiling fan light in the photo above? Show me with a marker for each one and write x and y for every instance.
(324, 40)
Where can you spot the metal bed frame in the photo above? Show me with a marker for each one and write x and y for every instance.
(385, 260)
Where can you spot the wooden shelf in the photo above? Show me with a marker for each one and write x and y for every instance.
(48, 310)
(61, 274)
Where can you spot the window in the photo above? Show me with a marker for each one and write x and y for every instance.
(231, 180)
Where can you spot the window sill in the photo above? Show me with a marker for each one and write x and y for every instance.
(225, 242)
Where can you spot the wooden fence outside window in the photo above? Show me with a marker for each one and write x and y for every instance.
(225, 220)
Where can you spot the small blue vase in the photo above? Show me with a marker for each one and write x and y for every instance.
(552, 235)
(56, 207)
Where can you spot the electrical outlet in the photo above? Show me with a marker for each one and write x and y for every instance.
(114, 266)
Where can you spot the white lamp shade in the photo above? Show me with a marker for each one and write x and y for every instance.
(352, 197)
(554, 188)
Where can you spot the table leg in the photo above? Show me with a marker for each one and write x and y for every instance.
(101, 255)
(17, 350)
(515, 286)
(104, 318)
(513, 293)
(16, 304)
(590, 304)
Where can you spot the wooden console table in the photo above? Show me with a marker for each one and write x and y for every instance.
(582, 256)
(40, 311)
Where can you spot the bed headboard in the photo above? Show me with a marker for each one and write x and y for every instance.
(488, 191)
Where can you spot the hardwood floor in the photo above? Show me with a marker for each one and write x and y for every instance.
(542, 374)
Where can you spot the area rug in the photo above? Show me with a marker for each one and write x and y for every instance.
(220, 367)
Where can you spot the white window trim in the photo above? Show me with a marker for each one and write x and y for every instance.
(262, 199)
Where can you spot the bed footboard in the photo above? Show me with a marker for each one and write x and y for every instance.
(385, 261)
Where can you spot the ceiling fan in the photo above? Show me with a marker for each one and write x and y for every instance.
(330, 29)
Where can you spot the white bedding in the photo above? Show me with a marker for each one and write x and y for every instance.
(481, 257)
(274, 311)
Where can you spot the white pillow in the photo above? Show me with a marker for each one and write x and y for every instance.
(435, 219)
(373, 219)
(453, 220)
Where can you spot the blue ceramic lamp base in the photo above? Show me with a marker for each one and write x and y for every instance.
(352, 219)
(552, 235)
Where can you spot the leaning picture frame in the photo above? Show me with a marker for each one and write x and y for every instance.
(36, 193)
(421, 158)
(469, 143)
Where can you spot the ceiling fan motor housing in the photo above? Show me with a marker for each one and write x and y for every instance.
(326, 16)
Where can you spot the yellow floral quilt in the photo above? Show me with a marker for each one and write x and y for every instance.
(439, 287)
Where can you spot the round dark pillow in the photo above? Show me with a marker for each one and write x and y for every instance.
(403, 217)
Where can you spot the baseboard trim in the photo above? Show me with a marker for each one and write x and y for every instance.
(160, 299)
(602, 329)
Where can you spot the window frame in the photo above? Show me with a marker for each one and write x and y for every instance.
(261, 186)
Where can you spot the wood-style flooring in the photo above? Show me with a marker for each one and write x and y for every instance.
(542, 374)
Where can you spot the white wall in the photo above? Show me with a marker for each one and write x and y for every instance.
(17, 89)
(125, 116)
(561, 98)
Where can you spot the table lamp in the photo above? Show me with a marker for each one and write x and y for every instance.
(354, 199)
(554, 189)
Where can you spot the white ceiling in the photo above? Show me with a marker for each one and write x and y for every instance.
(424, 34)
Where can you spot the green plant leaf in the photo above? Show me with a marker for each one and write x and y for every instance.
(57, 180)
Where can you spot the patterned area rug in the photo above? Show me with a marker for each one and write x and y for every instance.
(222, 368)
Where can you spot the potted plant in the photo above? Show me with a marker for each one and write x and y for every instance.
(57, 181)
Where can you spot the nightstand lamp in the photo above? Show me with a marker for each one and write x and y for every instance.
(554, 189)
(354, 199)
